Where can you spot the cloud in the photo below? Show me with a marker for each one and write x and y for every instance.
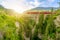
(20, 5)
(23, 5)
(50, 0)
(36, 3)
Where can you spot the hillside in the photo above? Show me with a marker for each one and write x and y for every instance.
(44, 8)
(41, 9)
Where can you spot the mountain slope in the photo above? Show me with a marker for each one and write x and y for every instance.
(43, 8)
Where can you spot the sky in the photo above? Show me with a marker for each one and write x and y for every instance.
(22, 5)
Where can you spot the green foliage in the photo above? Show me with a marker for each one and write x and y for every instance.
(28, 27)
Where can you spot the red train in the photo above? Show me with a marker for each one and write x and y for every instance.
(39, 12)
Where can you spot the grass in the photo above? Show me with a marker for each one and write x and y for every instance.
(28, 28)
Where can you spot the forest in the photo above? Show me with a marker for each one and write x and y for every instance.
(22, 27)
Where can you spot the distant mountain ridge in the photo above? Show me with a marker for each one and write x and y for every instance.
(1, 7)
(44, 8)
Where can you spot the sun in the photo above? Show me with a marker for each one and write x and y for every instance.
(18, 10)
